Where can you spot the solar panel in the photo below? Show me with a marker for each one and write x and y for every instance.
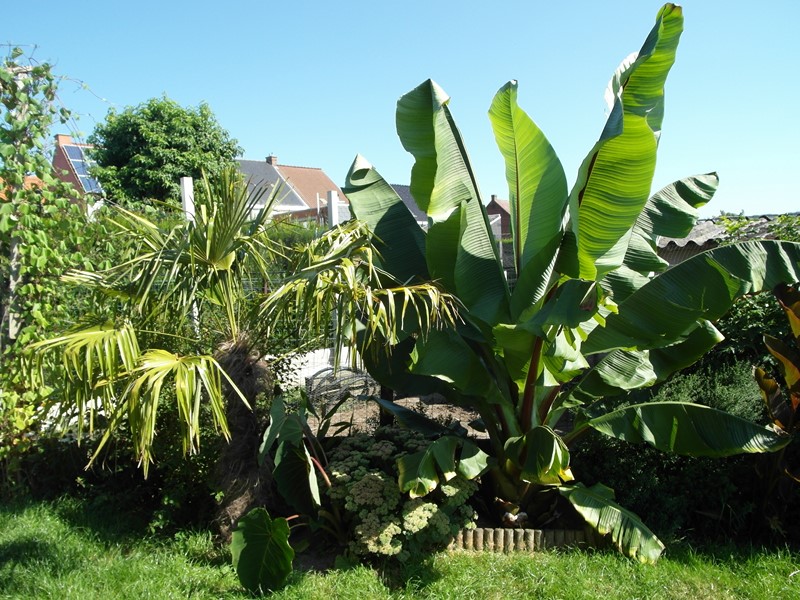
(90, 185)
(74, 152)
(81, 164)
(80, 167)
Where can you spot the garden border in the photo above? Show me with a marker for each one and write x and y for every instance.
(504, 539)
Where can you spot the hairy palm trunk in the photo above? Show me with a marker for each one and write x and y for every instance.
(245, 484)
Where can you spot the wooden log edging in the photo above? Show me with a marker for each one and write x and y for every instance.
(502, 539)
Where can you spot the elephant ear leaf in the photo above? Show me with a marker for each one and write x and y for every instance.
(631, 537)
(296, 477)
(262, 556)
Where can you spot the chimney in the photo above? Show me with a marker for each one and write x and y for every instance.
(63, 140)
(494, 197)
(272, 160)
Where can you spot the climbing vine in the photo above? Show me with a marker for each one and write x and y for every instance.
(43, 232)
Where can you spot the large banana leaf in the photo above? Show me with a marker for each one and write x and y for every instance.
(448, 357)
(423, 471)
(622, 370)
(460, 249)
(670, 212)
(688, 429)
(703, 287)
(537, 195)
(596, 505)
(542, 455)
(401, 243)
(410, 419)
(614, 180)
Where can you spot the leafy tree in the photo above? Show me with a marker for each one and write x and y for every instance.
(590, 286)
(143, 151)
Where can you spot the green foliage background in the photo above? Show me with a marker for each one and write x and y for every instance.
(143, 151)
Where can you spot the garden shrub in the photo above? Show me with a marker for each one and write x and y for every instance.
(178, 492)
(728, 387)
(383, 522)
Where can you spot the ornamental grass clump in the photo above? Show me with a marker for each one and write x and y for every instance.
(383, 522)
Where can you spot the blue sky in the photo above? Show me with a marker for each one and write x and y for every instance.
(316, 82)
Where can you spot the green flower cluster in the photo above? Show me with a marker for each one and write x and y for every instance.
(384, 522)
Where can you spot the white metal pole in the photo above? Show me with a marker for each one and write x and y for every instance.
(187, 197)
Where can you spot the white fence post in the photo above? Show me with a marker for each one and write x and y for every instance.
(187, 202)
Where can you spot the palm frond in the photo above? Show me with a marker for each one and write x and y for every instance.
(95, 355)
(338, 286)
(183, 265)
(139, 402)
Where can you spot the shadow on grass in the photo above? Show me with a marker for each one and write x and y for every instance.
(28, 550)
(107, 523)
(414, 576)
(30, 555)
(326, 558)
(726, 553)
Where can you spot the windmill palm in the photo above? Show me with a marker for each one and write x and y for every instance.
(178, 314)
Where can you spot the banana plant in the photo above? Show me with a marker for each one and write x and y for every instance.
(594, 312)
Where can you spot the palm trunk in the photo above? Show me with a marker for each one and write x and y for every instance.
(245, 484)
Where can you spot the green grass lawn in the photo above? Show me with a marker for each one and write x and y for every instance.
(64, 550)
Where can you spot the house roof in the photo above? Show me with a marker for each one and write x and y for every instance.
(704, 232)
(311, 184)
(404, 191)
(71, 165)
(712, 231)
(259, 173)
(30, 182)
(302, 188)
(503, 205)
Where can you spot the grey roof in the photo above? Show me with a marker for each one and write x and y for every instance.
(704, 232)
(404, 191)
(260, 173)
(709, 232)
